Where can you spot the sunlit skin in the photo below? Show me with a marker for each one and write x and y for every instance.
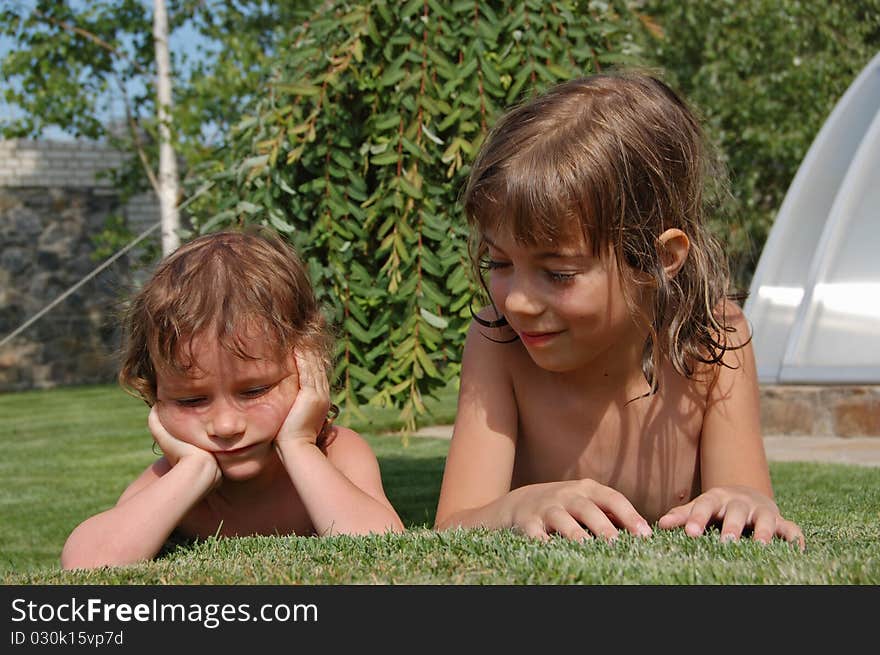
(555, 433)
(233, 409)
(240, 458)
(566, 306)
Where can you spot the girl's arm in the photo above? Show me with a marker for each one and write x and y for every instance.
(479, 465)
(342, 490)
(731, 445)
(148, 510)
(142, 520)
(479, 468)
(735, 477)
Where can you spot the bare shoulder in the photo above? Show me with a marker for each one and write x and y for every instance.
(733, 318)
(734, 338)
(346, 444)
(152, 473)
(737, 366)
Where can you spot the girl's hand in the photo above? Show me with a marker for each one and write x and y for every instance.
(575, 509)
(309, 410)
(736, 508)
(176, 449)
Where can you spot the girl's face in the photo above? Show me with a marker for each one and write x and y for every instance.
(229, 406)
(566, 305)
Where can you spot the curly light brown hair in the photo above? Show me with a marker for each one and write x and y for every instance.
(225, 285)
(623, 158)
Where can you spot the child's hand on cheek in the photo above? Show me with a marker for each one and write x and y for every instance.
(736, 508)
(176, 449)
(309, 410)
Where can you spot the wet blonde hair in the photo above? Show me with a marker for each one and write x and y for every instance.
(225, 285)
(622, 158)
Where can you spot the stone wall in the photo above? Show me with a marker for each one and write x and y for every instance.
(55, 164)
(69, 165)
(51, 206)
(821, 410)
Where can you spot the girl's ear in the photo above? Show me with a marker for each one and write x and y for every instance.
(674, 246)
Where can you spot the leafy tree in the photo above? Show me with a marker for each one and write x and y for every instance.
(65, 63)
(357, 147)
(765, 74)
(361, 119)
(73, 60)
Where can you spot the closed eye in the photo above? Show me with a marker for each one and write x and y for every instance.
(190, 402)
(562, 277)
(256, 392)
(492, 264)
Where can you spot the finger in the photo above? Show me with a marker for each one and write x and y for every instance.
(618, 508)
(791, 533)
(765, 525)
(161, 436)
(153, 418)
(156, 428)
(705, 508)
(533, 528)
(313, 383)
(302, 368)
(311, 373)
(675, 517)
(562, 523)
(321, 373)
(736, 515)
(594, 518)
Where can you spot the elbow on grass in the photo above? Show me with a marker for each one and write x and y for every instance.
(79, 554)
(394, 527)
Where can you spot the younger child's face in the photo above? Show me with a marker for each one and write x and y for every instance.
(567, 305)
(229, 406)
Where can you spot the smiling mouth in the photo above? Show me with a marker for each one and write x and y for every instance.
(537, 338)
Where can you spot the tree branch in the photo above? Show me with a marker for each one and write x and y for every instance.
(91, 37)
(136, 140)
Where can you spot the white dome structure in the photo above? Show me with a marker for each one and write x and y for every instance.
(814, 301)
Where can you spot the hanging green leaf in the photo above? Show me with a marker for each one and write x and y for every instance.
(433, 319)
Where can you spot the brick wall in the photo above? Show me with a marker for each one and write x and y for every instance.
(70, 165)
(55, 164)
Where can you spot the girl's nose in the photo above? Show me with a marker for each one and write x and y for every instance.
(521, 298)
(226, 421)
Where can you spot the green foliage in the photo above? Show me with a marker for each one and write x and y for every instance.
(88, 68)
(72, 60)
(57, 76)
(348, 128)
(357, 149)
(765, 74)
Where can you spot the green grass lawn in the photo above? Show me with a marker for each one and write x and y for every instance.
(68, 453)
